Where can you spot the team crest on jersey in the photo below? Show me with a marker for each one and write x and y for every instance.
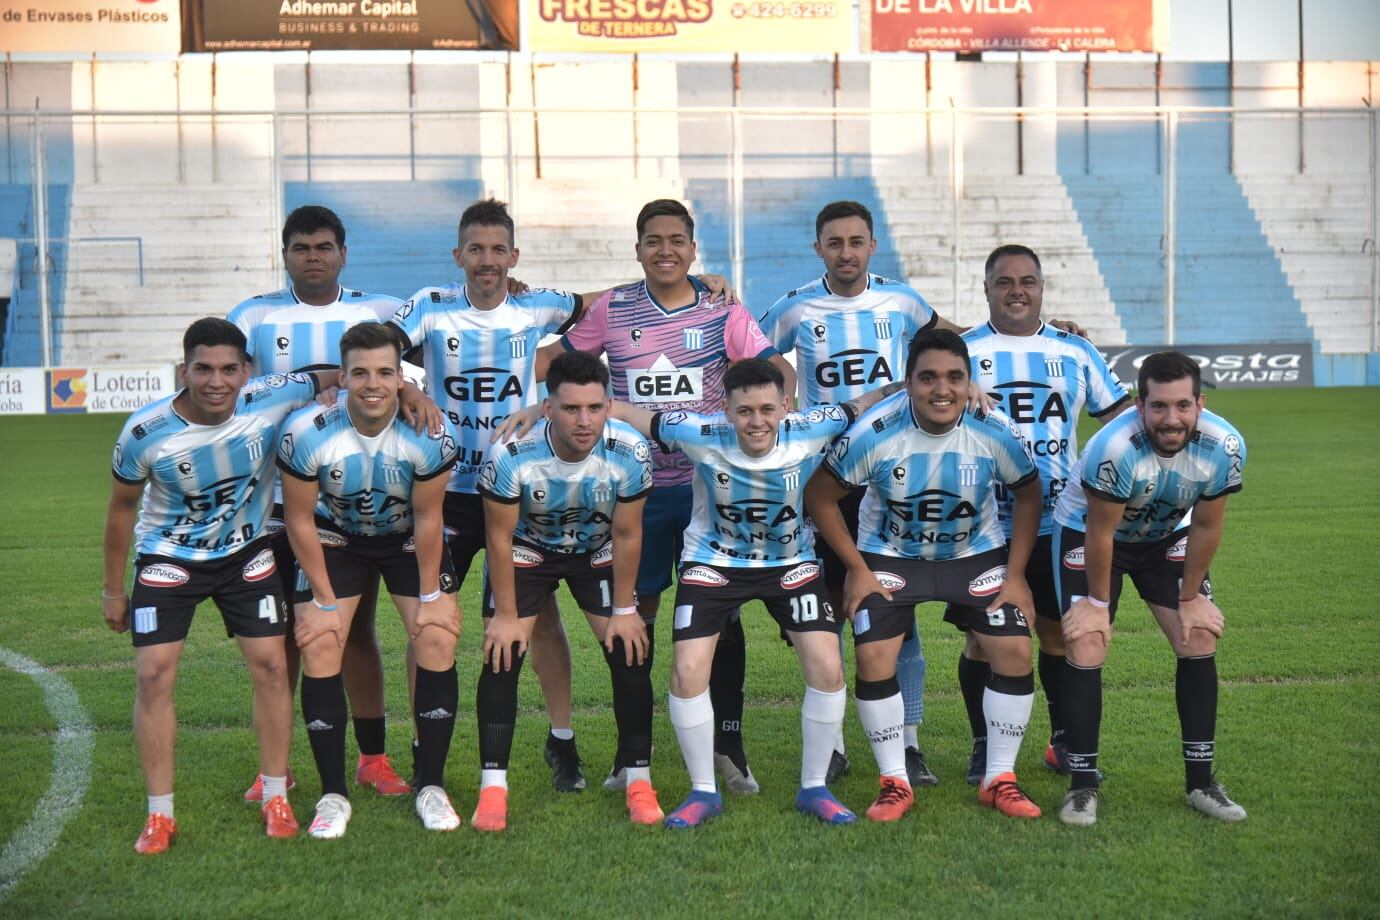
(517, 346)
(988, 583)
(800, 575)
(1179, 551)
(702, 575)
(603, 558)
(791, 480)
(1054, 367)
(260, 567)
(882, 327)
(889, 580)
(1073, 559)
(525, 558)
(692, 339)
(163, 575)
(967, 474)
(602, 493)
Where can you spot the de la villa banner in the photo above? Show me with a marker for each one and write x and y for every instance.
(724, 26)
(1019, 25)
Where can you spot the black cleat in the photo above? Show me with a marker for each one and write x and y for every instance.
(977, 763)
(564, 761)
(917, 770)
(838, 768)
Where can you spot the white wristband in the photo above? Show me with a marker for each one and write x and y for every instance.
(1101, 605)
(428, 598)
(624, 611)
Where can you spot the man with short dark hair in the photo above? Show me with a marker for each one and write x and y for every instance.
(1150, 502)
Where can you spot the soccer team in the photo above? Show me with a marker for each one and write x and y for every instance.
(927, 463)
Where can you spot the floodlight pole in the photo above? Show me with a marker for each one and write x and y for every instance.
(45, 306)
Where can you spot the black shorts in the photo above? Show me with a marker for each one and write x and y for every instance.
(1156, 569)
(537, 573)
(283, 555)
(1039, 575)
(351, 561)
(966, 584)
(244, 586)
(463, 513)
(707, 595)
(834, 570)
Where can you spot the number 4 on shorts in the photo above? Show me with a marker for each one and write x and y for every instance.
(268, 610)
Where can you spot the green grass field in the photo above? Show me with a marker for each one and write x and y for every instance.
(1297, 738)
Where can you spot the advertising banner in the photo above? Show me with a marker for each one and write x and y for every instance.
(1227, 366)
(722, 26)
(323, 25)
(107, 389)
(1019, 25)
(90, 26)
(21, 390)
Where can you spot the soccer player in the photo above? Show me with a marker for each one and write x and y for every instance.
(1149, 501)
(668, 342)
(849, 330)
(928, 530)
(194, 470)
(747, 540)
(565, 503)
(1042, 378)
(298, 328)
(363, 491)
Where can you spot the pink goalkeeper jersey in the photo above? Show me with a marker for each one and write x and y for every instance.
(668, 359)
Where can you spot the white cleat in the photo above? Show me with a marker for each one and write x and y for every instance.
(1214, 803)
(333, 813)
(434, 808)
(617, 780)
(1079, 807)
(735, 780)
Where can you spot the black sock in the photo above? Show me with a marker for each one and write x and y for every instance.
(1195, 690)
(1082, 707)
(618, 762)
(632, 707)
(324, 712)
(1051, 674)
(726, 677)
(369, 735)
(972, 680)
(495, 703)
(438, 696)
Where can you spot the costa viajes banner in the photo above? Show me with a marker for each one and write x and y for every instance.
(1227, 366)
(1019, 25)
(689, 26)
(321, 25)
(90, 26)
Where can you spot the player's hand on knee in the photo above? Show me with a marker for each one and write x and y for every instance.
(633, 632)
(500, 634)
(1199, 613)
(443, 613)
(516, 425)
(116, 611)
(312, 623)
(1085, 618)
(1016, 592)
(857, 586)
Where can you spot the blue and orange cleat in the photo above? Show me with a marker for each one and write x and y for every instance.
(820, 803)
(697, 808)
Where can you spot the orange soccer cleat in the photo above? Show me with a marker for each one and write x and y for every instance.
(643, 808)
(1006, 797)
(893, 801)
(375, 772)
(491, 813)
(279, 821)
(157, 836)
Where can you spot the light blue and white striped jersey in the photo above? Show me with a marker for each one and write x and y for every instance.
(209, 487)
(480, 363)
(287, 335)
(1120, 464)
(365, 482)
(846, 346)
(1042, 382)
(930, 496)
(749, 512)
(567, 507)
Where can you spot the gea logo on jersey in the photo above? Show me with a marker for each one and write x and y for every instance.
(525, 558)
(988, 583)
(1073, 559)
(702, 575)
(757, 511)
(1030, 403)
(365, 501)
(932, 506)
(800, 575)
(663, 382)
(162, 575)
(217, 493)
(603, 558)
(855, 367)
(260, 567)
(483, 385)
(568, 516)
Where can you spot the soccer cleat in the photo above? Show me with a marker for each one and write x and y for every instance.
(739, 780)
(977, 763)
(157, 835)
(839, 766)
(819, 802)
(491, 813)
(1008, 798)
(375, 772)
(1057, 757)
(279, 821)
(434, 808)
(892, 802)
(617, 780)
(255, 792)
(333, 813)
(917, 771)
(1079, 807)
(564, 760)
(643, 808)
(697, 808)
(1214, 803)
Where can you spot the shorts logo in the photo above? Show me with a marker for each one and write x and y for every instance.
(162, 575)
(525, 558)
(260, 567)
(889, 581)
(989, 582)
(1178, 551)
(702, 575)
(447, 583)
(410, 546)
(800, 575)
(145, 619)
(602, 558)
(330, 538)
(1073, 559)
(685, 613)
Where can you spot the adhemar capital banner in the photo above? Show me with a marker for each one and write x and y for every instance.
(1019, 25)
(90, 26)
(722, 26)
(323, 25)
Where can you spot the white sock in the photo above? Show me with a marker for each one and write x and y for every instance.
(838, 741)
(882, 720)
(562, 734)
(636, 773)
(694, 723)
(161, 805)
(913, 736)
(275, 786)
(1007, 716)
(821, 718)
(489, 778)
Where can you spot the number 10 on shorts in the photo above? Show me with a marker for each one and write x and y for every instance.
(804, 608)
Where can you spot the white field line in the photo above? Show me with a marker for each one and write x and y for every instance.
(71, 773)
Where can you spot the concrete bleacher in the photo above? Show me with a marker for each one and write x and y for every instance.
(22, 344)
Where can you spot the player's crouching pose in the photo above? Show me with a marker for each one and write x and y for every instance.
(565, 503)
(202, 463)
(363, 490)
(1139, 477)
(928, 531)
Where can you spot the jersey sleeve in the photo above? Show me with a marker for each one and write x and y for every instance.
(412, 317)
(500, 478)
(779, 326)
(1108, 468)
(636, 480)
(743, 338)
(1014, 465)
(296, 457)
(827, 422)
(676, 430)
(591, 332)
(1105, 390)
(850, 458)
(918, 310)
(552, 310)
(1230, 458)
(129, 463)
(441, 451)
